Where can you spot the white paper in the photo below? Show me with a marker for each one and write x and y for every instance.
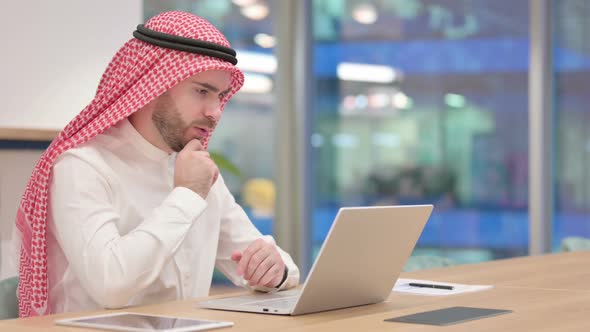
(402, 286)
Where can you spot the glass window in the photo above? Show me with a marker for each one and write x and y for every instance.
(423, 101)
(572, 120)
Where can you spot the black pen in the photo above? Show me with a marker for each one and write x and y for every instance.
(415, 284)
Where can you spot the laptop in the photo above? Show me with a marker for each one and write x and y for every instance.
(358, 264)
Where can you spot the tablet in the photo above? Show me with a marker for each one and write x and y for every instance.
(127, 321)
(449, 316)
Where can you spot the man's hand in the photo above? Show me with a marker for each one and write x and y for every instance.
(194, 169)
(260, 264)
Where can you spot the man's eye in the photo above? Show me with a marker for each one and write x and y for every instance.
(222, 95)
(203, 92)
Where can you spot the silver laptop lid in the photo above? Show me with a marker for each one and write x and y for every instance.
(362, 256)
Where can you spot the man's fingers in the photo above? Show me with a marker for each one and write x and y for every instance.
(236, 256)
(215, 176)
(246, 255)
(194, 145)
(260, 264)
(202, 153)
(273, 276)
(261, 270)
(255, 261)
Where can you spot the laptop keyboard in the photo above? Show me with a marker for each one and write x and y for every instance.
(282, 303)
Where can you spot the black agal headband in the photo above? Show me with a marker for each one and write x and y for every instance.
(185, 44)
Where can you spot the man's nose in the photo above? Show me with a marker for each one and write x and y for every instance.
(213, 111)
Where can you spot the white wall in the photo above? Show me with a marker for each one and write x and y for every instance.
(53, 54)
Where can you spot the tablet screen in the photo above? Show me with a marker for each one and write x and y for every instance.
(448, 316)
(142, 322)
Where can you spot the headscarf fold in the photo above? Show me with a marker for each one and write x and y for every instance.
(138, 73)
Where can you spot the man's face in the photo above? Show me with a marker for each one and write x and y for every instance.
(191, 109)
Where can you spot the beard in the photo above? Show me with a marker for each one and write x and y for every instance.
(169, 123)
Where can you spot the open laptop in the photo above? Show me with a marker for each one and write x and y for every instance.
(358, 263)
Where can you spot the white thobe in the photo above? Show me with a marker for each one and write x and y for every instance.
(121, 234)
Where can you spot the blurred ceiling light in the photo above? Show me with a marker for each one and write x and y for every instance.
(265, 40)
(243, 3)
(401, 101)
(455, 100)
(256, 83)
(255, 11)
(256, 62)
(348, 71)
(365, 13)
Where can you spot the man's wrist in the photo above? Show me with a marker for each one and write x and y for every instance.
(285, 275)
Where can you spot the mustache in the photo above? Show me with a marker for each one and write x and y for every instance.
(204, 123)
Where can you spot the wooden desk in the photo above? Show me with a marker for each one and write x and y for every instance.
(566, 271)
(540, 290)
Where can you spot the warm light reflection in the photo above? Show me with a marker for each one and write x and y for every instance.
(348, 71)
(265, 40)
(365, 14)
(256, 11)
(401, 101)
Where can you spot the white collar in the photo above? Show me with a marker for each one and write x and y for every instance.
(143, 146)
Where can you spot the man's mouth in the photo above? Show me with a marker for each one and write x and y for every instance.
(201, 132)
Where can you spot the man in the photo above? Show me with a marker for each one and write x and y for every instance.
(126, 207)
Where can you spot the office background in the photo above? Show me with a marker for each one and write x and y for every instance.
(355, 102)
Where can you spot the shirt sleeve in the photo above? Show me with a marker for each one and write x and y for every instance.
(110, 266)
(237, 233)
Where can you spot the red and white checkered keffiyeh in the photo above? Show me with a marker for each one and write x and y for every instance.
(138, 73)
